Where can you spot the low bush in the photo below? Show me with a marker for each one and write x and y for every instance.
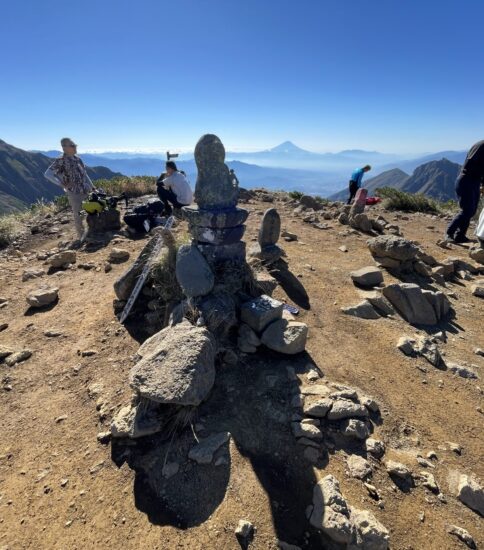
(296, 195)
(394, 199)
(133, 187)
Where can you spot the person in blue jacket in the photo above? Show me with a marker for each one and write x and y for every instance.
(355, 181)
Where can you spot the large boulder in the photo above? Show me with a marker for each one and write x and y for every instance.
(391, 246)
(177, 366)
(471, 494)
(370, 533)
(310, 202)
(409, 300)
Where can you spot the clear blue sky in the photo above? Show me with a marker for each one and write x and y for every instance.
(388, 75)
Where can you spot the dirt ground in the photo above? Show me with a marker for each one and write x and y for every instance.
(62, 489)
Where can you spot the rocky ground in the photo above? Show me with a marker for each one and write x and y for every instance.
(64, 375)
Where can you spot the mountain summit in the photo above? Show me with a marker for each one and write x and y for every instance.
(287, 147)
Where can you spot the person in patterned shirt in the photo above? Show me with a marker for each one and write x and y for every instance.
(69, 172)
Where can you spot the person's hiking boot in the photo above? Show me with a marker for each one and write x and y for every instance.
(462, 239)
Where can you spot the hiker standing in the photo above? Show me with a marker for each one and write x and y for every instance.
(467, 188)
(69, 172)
(173, 188)
(355, 181)
(233, 175)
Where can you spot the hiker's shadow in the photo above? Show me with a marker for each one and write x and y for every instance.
(255, 401)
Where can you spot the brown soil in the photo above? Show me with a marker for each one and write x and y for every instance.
(61, 488)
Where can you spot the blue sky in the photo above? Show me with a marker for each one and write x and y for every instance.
(394, 76)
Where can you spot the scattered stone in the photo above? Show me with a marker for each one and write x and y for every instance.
(3, 326)
(261, 311)
(358, 467)
(104, 437)
(170, 469)
(455, 447)
(478, 289)
(32, 274)
(343, 248)
(356, 429)
(464, 372)
(52, 333)
(407, 345)
(477, 254)
(287, 236)
(370, 533)
(479, 351)
(118, 255)
(344, 408)
(88, 352)
(131, 421)
(203, 452)
(180, 367)
(247, 341)
(363, 310)
(193, 272)
(63, 259)
(429, 482)
(375, 447)
(244, 532)
(471, 494)
(42, 297)
(18, 357)
(367, 276)
(108, 267)
(288, 337)
(301, 429)
(5, 352)
(462, 535)
(398, 469)
(330, 512)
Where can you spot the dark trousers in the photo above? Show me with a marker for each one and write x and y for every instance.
(167, 196)
(468, 193)
(353, 190)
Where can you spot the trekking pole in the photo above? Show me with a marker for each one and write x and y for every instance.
(144, 274)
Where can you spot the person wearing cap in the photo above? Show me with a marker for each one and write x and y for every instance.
(173, 188)
(355, 181)
(69, 172)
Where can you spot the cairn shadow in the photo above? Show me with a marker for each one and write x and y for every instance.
(254, 400)
(291, 285)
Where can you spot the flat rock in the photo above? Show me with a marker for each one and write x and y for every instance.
(180, 368)
(375, 447)
(462, 535)
(300, 429)
(261, 311)
(193, 272)
(42, 297)
(288, 337)
(463, 372)
(363, 310)
(478, 289)
(367, 276)
(204, 451)
(356, 429)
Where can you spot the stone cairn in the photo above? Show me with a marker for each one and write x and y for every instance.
(220, 304)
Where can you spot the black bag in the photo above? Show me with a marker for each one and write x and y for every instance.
(138, 221)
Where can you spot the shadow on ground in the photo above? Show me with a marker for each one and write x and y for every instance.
(252, 400)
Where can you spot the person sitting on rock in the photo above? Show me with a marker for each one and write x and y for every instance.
(173, 189)
(69, 172)
(467, 188)
(355, 181)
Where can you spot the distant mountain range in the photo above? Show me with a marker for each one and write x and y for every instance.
(435, 179)
(22, 180)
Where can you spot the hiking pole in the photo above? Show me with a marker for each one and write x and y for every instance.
(144, 274)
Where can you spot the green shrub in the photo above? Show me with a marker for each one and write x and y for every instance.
(394, 199)
(296, 195)
(11, 227)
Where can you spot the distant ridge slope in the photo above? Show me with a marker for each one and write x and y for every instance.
(22, 180)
